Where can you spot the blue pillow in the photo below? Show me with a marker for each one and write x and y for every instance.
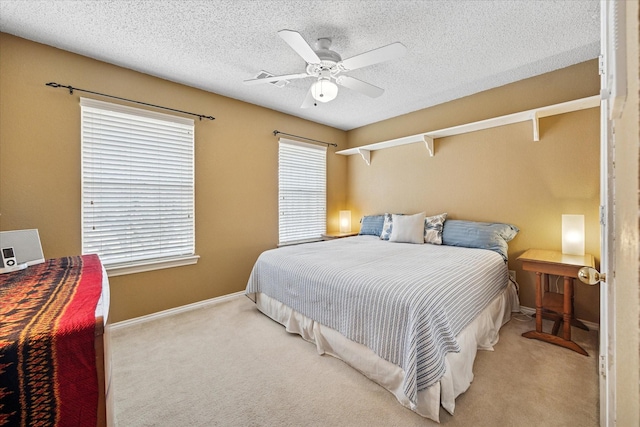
(371, 225)
(482, 235)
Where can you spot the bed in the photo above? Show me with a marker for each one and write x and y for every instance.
(408, 316)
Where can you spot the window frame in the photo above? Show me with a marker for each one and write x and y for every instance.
(89, 106)
(320, 223)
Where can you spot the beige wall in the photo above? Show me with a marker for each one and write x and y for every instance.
(498, 174)
(236, 171)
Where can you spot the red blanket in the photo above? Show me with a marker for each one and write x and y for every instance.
(48, 373)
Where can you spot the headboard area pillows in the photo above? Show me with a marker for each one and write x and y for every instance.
(407, 228)
(433, 227)
(482, 235)
(387, 226)
(372, 225)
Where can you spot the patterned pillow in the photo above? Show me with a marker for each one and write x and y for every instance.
(386, 227)
(433, 226)
(372, 225)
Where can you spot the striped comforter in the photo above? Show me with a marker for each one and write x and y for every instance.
(405, 302)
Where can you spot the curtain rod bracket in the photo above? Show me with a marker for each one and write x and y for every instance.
(276, 132)
(71, 89)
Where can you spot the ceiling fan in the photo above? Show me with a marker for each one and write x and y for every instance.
(328, 68)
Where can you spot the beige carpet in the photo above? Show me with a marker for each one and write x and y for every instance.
(229, 365)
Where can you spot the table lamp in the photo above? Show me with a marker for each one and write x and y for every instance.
(573, 234)
(345, 221)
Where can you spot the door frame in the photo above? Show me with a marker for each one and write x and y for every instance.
(613, 86)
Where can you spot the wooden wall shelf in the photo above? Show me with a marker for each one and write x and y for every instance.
(428, 137)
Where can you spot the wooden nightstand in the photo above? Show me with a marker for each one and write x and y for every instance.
(337, 235)
(558, 307)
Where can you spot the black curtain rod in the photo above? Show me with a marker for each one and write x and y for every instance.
(71, 89)
(276, 132)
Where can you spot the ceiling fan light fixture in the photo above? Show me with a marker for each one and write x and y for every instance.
(327, 67)
(324, 90)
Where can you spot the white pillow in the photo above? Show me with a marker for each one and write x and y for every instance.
(408, 228)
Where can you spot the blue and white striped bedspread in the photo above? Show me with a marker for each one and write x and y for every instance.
(405, 302)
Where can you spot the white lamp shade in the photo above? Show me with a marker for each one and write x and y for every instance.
(573, 234)
(324, 90)
(345, 221)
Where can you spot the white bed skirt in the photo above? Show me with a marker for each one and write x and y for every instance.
(482, 334)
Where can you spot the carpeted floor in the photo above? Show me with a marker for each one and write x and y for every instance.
(229, 365)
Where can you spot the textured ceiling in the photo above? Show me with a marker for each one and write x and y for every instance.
(454, 48)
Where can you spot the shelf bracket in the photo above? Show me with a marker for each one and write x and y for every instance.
(535, 120)
(428, 141)
(366, 155)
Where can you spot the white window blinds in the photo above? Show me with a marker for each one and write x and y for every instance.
(302, 173)
(137, 184)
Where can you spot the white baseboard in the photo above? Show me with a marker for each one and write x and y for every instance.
(592, 326)
(173, 311)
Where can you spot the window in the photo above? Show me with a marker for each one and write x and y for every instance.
(302, 177)
(137, 187)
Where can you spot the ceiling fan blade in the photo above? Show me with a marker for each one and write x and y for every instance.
(375, 56)
(308, 100)
(360, 86)
(299, 44)
(276, 78)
